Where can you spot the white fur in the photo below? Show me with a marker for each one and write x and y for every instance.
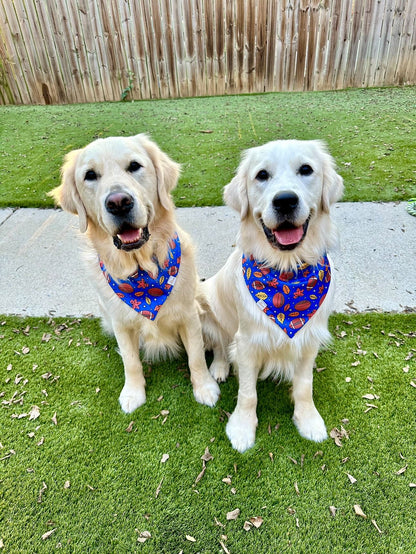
(178, 320)
(234, 327)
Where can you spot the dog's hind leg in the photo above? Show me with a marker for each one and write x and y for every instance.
(133, 394)
(206, 390)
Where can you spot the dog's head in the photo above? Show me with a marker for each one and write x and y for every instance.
(118, 184)
(285, 187)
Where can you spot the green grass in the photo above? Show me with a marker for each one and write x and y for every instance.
(370, 133)
(70, 369)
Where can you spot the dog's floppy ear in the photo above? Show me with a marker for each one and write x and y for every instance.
(235, 193)
(333, 186)
(167, 171)
(67, 195)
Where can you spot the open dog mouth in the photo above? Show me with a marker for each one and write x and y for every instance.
(286, 236)
(131, 239)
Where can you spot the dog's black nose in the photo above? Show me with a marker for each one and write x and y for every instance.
(119, 203)
(285, 202)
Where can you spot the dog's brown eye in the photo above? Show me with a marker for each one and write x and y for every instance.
(90, 175)
(262, 175)
(305, 170)
(133, 166)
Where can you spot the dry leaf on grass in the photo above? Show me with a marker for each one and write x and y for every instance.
(247, 526)
(224, 548)
(373, 521)
(371, 397)
(351, 478)
(158, 488)
(207, 456)
(129, 428)
(256, 522)
(333, 510)
(144, 535)
(358, 511)
(48, 534)
(190, 538)
(218, 523)
(401, 471)
(338, 434)
(54, 420)
(42, 490)
(164, 459)
(233, 514)
(201, 474)
(34, 413)
(412, 485)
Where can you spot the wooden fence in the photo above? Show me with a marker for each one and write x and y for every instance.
(66, 51)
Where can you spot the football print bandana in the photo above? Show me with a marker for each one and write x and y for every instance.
(142, 291)
(289, 298)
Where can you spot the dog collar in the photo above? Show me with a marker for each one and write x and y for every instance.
(288, 298)
(143, 292)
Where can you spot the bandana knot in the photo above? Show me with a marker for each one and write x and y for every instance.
(289, 298)
(143, 292)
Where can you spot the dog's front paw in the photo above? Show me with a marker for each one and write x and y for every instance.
(207, 392)
(219, 369)
(241, 430)
(311, 426)
(132, 398)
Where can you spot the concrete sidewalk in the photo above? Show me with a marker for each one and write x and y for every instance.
(41, 270)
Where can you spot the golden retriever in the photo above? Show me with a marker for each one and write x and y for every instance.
(141, 262)
(268, 307)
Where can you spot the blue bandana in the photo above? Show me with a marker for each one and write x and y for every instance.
(144, 293)
(288, 298)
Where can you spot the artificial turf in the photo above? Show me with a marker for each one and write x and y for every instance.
(370, 133)
(79, 475)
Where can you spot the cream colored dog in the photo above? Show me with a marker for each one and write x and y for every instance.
(144, 275)
(268, 307)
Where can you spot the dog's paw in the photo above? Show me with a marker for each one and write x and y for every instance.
(207, 392)
(311, 426)
(241, 430)
(219, 369)
(132, 398)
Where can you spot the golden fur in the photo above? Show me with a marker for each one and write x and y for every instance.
(235, 328)
(149, 186)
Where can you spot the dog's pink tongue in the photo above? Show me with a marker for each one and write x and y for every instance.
(130, 236)
(289, 236)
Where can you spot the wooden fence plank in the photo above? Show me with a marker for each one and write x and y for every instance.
(14, 83)
(59, 51)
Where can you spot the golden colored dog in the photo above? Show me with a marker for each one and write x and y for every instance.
(141, 262)
(268, 307)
